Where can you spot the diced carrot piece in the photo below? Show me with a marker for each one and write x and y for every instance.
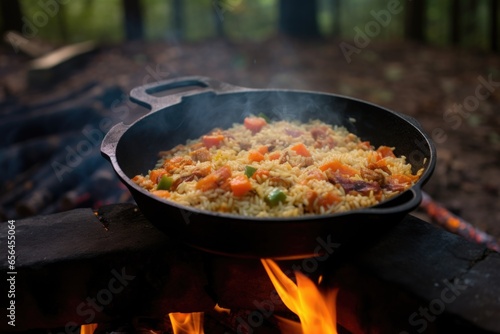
(380, 164)
(310, 198)
(207, 183)
(374, 156)
(301, 149)
(337, 166)
(162, 193)
(240, 185)
(327, 200)
(263, 149)
(215, 179)
(261, 174)
(275, 155)
(402, 179)
(365, 145)
(255, 156)
(223, 173)
(254, 124)
(212, 140)
(385, 151)
(156, 174)
(176, 162)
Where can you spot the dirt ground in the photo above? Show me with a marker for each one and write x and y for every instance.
(454, 94)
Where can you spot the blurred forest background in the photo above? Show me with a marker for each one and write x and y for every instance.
(467, 23)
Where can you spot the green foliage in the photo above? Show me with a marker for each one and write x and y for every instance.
(77, 20)
(243, 20)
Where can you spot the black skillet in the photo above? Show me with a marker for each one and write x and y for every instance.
(205, 104)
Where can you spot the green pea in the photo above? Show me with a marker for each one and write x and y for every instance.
(249, 171)
(274, 197)
(165, 182)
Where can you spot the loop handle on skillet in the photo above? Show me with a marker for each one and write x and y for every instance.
(143, 95)
(411, 120)
(110, 140)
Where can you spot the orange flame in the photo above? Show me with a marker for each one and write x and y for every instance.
(316, 310)
(187, 323)
(88, 329)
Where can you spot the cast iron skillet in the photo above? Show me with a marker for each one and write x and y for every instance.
(178, 116)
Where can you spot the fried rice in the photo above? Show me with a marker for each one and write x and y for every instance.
(278, 169)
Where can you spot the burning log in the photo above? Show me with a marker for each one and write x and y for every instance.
(101, 188)
(53, 118)
(45, 145)
(443, 217)
(50, 186)
(79, 95)
(45, 184)
(46, 123)
(16, 159)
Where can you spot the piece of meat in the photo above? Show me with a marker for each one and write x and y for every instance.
(201, 155)
(284, 157)
(320, 132)
(378, 165)
(181, 179)
(306, 162)
(293, 132)
(311, 196)
(360, 186)
(196, 174)
(373, 175)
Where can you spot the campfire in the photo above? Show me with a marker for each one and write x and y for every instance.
(316, 310)
(133, 276)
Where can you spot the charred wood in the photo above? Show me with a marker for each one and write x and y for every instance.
(50, 187)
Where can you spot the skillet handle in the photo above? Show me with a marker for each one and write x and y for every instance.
(412, 121)
(143, 95)
(110, 140)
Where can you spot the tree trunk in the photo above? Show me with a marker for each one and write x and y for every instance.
(414, 21)
(11, 15)
(298, 18)
(336, 17)
(470, 22)
(219, 24)
(177, 19)
(133, 19)
(494, 25)
(455, 22)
